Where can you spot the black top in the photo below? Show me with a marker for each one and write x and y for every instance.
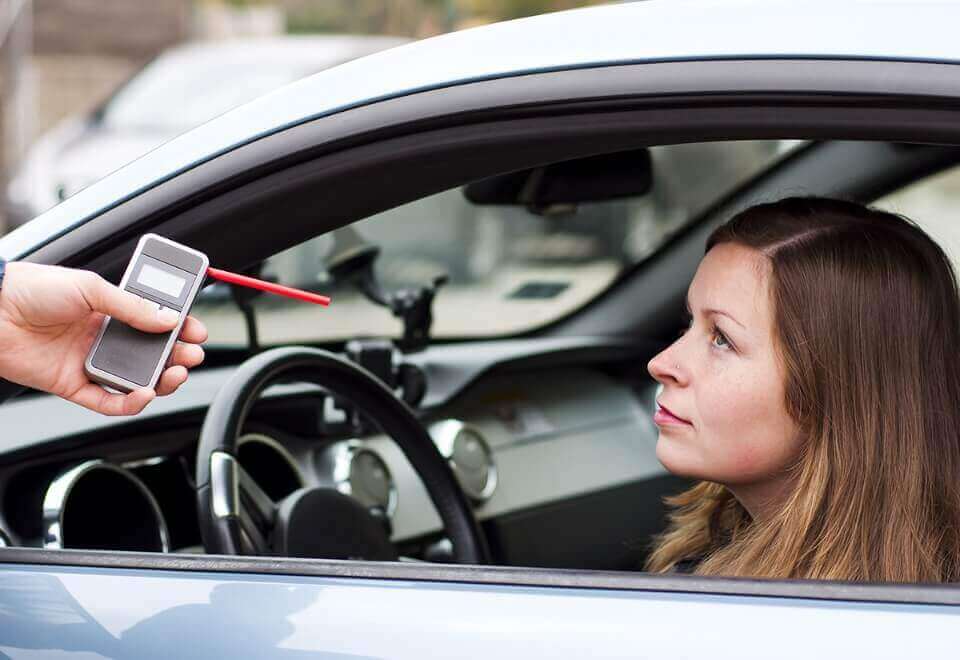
(687, 566)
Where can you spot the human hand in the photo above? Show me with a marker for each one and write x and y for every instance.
(49, 318)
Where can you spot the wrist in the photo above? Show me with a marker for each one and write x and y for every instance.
(7, 324)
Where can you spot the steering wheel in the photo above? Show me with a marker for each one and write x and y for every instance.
(238, 517)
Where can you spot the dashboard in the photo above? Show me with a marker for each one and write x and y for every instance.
(551, 440)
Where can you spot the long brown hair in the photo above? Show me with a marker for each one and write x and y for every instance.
(867, 318)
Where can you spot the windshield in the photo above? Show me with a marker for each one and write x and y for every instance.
(510, 270)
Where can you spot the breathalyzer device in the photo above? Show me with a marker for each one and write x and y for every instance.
(168, 275)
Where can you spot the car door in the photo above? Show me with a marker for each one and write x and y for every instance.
(378, 154)
(159, 607)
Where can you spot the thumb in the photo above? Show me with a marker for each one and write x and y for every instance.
(127, 307)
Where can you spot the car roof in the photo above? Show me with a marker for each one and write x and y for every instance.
(655, 30)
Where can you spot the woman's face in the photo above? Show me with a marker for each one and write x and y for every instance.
(721, 413)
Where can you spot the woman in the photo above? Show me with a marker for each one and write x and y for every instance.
(815, 396)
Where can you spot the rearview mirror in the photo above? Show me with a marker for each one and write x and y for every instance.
(561, 186)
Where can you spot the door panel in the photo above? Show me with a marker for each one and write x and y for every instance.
(136, 613)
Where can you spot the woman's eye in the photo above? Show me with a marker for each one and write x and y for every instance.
(719, 340)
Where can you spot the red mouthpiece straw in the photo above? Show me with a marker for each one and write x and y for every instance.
(270, 287)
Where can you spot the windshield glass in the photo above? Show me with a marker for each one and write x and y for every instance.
(510, 270)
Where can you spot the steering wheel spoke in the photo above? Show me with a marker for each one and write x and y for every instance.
(240, 498)
(255, 541)
(255, 503)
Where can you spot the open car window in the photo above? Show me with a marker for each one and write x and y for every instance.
(932, 203)
(510, 270)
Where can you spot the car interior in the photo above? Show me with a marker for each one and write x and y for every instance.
(501, 309)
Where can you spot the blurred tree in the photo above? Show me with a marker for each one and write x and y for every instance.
(498, 10)
(415, 18)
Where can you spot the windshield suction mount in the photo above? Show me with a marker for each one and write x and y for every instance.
(352, 261)
(244, 297)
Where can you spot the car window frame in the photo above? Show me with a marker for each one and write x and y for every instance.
(670, 84)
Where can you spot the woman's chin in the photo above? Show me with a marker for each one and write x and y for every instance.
(679, 458)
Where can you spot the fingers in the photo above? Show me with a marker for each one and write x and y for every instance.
(186, 355)
(96, 398)
(99, 400)
(171, 379)
(136, 311)
(124, 306)
(193, 331)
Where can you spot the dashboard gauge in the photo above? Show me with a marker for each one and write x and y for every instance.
(469, 455)
(100, 506)
(360, 472)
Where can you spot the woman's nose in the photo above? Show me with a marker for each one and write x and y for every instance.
(665, 366)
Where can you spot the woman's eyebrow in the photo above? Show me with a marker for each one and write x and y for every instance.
(723, 313)
(711, 310)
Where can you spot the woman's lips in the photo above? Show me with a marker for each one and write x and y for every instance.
(663, 417)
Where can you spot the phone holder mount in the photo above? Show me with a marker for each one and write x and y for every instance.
(413, 305)
(353, 263)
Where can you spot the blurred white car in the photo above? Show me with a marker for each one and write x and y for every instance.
(181, 89)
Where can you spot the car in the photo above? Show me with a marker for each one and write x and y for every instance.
(463, 467)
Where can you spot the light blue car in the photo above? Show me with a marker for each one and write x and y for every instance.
(485, 484)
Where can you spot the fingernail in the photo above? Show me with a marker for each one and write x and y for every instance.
(167, 316)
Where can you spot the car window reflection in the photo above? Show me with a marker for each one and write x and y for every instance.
(240, 619)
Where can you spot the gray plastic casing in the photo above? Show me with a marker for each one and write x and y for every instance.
(124, 358)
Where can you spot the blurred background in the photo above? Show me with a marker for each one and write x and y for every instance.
(68, 115)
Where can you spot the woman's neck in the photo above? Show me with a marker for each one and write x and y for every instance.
(762, 499)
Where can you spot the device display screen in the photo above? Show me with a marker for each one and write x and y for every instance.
(161, 281)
